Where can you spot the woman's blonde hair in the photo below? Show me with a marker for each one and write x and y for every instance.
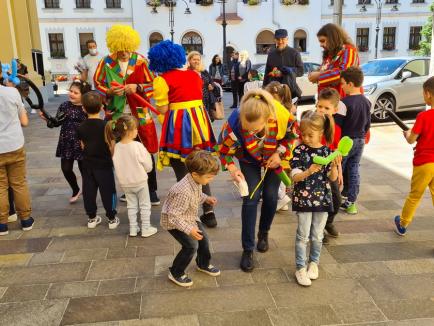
(244, 56)
(318, 122)
(117, 129)
(191, 55)
(255, 105)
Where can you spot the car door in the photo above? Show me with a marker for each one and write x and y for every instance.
(309, 89)
(409, 91)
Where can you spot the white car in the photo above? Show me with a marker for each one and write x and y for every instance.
(395, 84)
(309, 90)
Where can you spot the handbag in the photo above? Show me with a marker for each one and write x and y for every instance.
(219, 109)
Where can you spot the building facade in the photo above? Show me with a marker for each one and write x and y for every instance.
(65, 25)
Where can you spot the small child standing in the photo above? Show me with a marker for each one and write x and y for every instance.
(328, 103)
(97, 172)
(423, 162)
(68, 148)
(311, 197)
(179, 216)
(132, 164)
(254, 82)
(355, 125)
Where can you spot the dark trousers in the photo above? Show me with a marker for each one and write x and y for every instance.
(180, 172)
(352, 163)
(67, 167)
(235, 92)
(11, 201)
(269, 189)
(104, 181)
(336, 197)
(189, 247)
(241, 89)
(152, 177)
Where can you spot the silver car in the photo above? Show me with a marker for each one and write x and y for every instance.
(395, 84)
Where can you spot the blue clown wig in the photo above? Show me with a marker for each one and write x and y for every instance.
(166, 56)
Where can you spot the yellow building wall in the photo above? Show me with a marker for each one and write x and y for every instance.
(19, 33)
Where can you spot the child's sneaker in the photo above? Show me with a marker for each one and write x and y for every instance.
(4, 230)
(27, 225)
(74, 198)
(183, 280)
(123, 198)
(210, 270)
(134, 230)
(400, 230)
(281, 203)
(114, 223)
(147, 232)
(349, 207)
(12, 218)
(331, 230)
(302, 278)
(312, 271)
(93, 222)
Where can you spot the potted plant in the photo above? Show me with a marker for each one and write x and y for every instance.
(363, 48)
(253, 2)
(389, 47)
(288, 2)
(303, 2)
(154, 3)
(206, 2)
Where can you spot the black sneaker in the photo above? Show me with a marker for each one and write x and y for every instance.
(262, 245)
(27, 225)
(183, 280)
(123, 198)
(325, 239)
(209, 219)
(246, 263)
(155, 201)
(331, 230)
(4, 230)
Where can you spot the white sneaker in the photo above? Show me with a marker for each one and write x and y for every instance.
(284, 208)
(147, 232)
(312, 271)
(33, 111)
(282, 202)
(302, 278)
(93, 222)
(113, 224)
(134, 230)
(12, 218)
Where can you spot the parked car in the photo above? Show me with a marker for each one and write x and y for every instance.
(395, 84)
(308, 89)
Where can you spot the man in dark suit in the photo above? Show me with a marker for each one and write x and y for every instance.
(234, 73)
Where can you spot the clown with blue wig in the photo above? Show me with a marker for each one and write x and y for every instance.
(186, 126)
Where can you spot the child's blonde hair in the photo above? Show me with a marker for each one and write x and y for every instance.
(318, 122)
(117, 129)
(282, 92)
(191, 54)
(255, 105)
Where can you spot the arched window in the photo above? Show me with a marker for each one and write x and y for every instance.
(154, 39)
(300, 38)
(192, 41)
(264, 42)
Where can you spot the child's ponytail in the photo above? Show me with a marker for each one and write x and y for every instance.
(329, 129)
(110, 137)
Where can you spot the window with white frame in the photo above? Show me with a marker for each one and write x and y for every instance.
(192, 41)
(415, 37)
(57, 47)
(389, 38)
(362, 39)
(49, 4)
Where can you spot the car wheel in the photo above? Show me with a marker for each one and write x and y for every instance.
(384, 103)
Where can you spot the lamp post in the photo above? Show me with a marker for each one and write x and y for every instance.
(224, 24)
(171, 4)
(379, 4)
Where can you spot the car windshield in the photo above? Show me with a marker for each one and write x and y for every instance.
(381, 67)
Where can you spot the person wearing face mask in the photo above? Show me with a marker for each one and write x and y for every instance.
(284, 64)
(87, 65)
(130, 69)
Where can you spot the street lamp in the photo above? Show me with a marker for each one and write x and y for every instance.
(224, 24)
(379, 4)
(170, 4)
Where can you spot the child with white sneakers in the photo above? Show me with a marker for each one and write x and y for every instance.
(132, 164)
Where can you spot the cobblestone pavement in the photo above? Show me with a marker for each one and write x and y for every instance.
(62, 273)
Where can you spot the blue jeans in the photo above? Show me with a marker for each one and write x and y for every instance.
(352, 163)
(310, 225)
(189, 248)
(269, 189)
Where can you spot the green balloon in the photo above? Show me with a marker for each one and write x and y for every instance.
(344, 148)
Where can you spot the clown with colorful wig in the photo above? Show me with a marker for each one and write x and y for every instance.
(121, 75)
(187, 126)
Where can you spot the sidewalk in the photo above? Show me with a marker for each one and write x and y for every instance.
(62, 273)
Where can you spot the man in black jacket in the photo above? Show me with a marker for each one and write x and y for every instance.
(234, 74)
(284, 64)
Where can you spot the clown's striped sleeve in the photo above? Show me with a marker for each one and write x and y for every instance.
(348, 58)
(148, 88)
(227, 146)
(99, 79)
